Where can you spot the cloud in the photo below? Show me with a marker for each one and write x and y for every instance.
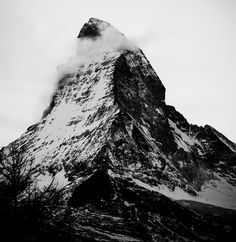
(90, 49)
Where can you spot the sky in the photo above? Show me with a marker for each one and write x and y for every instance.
(190, 44)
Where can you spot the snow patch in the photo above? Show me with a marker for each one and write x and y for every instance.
(221, 194)
(182, 140)
(159, 111)
(59, 180)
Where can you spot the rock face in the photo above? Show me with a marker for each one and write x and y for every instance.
(130, 164)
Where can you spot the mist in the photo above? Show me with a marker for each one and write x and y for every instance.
(89, 50)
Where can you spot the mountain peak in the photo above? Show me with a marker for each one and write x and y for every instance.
(92, 29)
(97, 38)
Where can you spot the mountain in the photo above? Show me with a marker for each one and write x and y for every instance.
(130, 167)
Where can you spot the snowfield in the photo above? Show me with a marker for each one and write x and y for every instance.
(216, 192)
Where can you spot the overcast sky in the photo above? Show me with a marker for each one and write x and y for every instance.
(190, 44)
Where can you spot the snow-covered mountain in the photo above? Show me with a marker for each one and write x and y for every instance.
(109, 139)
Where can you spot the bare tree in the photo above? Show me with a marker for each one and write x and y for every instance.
(15, 172)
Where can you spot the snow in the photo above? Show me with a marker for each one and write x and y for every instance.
(145, 132)
(217, 192)
(177, 194)
(59, 180)
(127, 204)
(56, 128)
(43, 181)
(109, 234)
(159, 111)
(73, 127)
(182, 139)
(134, 167)
(155, 158)
(112, 174)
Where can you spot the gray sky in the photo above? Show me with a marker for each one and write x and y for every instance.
(190, 44)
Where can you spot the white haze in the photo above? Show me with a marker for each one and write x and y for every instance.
(88, 50)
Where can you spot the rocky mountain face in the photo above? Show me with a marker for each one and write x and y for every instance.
(131, 167)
